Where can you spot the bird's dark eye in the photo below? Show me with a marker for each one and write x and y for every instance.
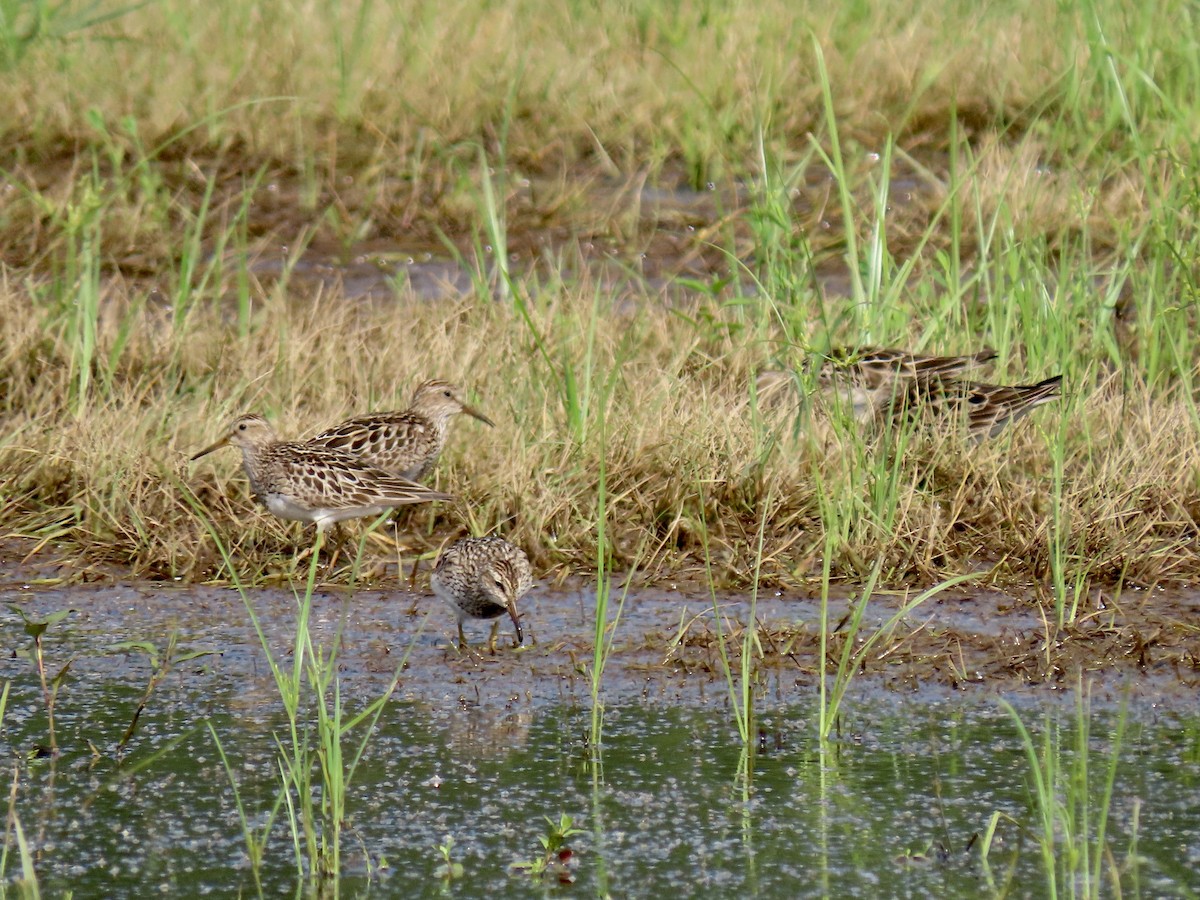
(241, 426)
(446, 394)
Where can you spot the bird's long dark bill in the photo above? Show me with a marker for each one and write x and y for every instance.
(472, 411)
(207, 450)
(512, 611)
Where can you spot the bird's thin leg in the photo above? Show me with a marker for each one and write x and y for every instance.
(308, 551)
(338, 540)
(314, 554)
(492, 637)
(462, 638)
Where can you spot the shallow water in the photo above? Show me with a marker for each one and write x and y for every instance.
(481, 747)
(895, 810)
(673, 235)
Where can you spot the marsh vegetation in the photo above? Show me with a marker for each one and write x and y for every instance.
(731, 198)
(605, 223)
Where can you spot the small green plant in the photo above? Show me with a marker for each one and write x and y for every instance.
(557, 860)
(496, 228)
(741, 686)
(37, 629)
(162, 663)
(448, 869)
(601, 636)
(28, 882)
(604, 628)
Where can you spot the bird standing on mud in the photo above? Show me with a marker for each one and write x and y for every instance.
(483, 578)
(308, 483)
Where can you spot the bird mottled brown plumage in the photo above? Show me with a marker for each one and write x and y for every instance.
(876, 367)
(874, 381)
(986, 407)
(875, 384)
(482, 578)
(406, 443)
(294, 480)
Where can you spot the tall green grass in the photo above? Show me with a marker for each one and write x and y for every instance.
(741, 679)
(27, 883)
(1071, 801)
(315, 760)
(14, 833)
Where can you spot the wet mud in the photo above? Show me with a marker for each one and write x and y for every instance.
(635, 235)
(667, 641)
(632, 237)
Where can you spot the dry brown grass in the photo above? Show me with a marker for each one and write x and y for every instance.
(1053, 187)
(690, 471)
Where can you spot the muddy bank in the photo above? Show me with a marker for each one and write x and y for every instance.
(667, 645)
(634, 234)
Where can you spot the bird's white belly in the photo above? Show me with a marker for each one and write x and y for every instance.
(287, 508)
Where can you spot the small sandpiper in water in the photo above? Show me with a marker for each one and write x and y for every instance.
(483, 578)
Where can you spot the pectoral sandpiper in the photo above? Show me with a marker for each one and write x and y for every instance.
(405, 443)
(482, 578)
(876, 367)
(879, 384)
(872, 381)
(308, 483)
(987, 407)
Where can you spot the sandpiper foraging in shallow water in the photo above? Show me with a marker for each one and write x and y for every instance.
(483, 578)
(294, 480)
(406, 443)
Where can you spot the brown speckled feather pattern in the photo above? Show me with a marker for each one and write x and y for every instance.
(296, 480)
(332, 479)
(406, 443)
(987, 407)
(482, 578)
(876, 384)
(873, 382)
(877, 368)
(395, 441)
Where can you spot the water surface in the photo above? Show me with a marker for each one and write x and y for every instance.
(481, 748)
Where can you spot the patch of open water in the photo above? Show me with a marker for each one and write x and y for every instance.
(481, 747)
(675, 229)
